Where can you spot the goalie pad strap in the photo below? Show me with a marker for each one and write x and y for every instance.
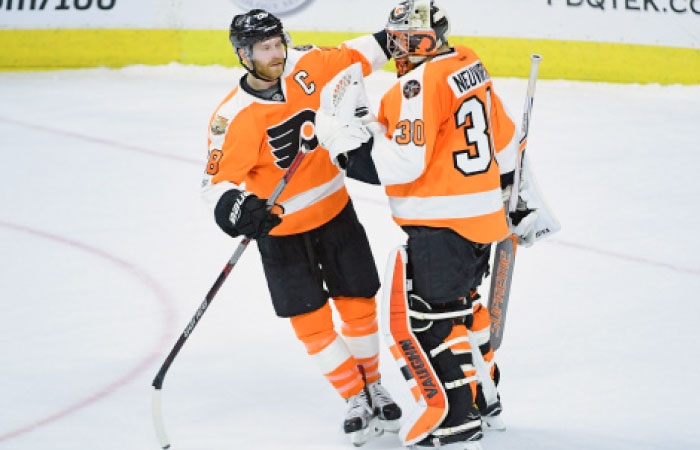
(446, 345)
(439, 316)
(458, 429)
(460, 383)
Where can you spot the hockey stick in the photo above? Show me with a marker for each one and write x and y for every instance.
(156, 408)
(503, 262)
(504, 255)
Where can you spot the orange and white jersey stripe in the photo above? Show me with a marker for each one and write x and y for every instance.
(253, 141)
(448, 140)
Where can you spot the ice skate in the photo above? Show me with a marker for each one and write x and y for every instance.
(454, 446)
(385, 408)
(361, 423)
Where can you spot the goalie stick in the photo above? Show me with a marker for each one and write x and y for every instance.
(504, 255)
(504, 259)
(156, 407)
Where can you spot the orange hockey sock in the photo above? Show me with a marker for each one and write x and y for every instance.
(315, 330)
(361, 332)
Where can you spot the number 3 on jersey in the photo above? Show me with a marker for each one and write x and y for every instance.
(476, 158)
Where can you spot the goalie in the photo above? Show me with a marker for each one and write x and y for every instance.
(445, 148)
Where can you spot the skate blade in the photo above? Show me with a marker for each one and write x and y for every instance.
(493, 423)
(451, 446)
(360, 437)
(392, 426)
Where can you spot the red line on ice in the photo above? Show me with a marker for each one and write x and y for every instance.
(688, 270)
(362, 197)
(97, 140)
(145, 363)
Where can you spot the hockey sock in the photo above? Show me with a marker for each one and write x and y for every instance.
(360, 331)
(315, 330)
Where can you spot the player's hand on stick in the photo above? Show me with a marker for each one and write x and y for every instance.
(249, 215)
(523, 220)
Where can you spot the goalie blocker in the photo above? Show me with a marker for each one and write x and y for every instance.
(422, 339)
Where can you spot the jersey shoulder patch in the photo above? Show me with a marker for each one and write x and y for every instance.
(411, 88)
(219, 125)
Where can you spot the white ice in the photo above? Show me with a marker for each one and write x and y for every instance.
(107, 250)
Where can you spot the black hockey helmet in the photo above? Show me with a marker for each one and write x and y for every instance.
(416, 29)
(254, 26)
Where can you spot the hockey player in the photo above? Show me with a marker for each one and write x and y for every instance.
(445, 148)
(313, 237)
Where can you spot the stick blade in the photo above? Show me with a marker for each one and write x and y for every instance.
(157, 414)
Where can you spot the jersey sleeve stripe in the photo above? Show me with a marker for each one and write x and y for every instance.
(506, 158)
(448, 206)
(402, 163)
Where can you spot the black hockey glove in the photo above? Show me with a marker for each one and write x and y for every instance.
(241, 212)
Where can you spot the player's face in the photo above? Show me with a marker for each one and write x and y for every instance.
(268, 57)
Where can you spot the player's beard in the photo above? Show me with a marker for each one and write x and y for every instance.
(272, 71)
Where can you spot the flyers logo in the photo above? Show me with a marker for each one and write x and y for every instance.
(400, 13)
(286, 137)
(423, 43)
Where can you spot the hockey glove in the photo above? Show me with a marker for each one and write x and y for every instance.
(339, 136)
(343, 113)
(241, 212)
(523, 220)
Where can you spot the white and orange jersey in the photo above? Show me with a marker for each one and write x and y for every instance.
(448, 140)
(253, 141)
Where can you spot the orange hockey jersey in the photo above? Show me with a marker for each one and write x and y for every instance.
(253, 141)
(451, 139)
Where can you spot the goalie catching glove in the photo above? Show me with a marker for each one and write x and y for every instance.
(341, 120)
(523, 220)
(241, 212)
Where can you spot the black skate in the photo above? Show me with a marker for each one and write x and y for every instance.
(385, 408)
(360, 421)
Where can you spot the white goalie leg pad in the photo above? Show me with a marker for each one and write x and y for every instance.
(431, 401)
(546, 223)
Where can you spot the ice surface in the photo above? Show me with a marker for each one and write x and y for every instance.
(107, 250)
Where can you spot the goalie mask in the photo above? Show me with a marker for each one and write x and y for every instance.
(416, 30)
(255, 26)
